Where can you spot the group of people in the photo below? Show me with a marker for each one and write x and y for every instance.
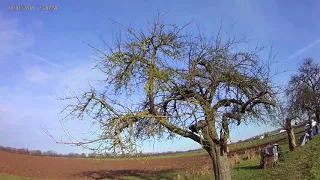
(312, 128)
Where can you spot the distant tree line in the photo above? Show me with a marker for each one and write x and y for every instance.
(42, 153)
(51, 153)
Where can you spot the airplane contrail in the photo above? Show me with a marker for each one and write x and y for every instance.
(43, 60)
(304, 49)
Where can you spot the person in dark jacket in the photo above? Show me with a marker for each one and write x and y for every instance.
(309, 130)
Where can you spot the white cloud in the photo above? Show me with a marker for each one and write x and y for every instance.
(13, 36)
(34, 56)
(33, 106)
(36, 23)
(36, 75)
(17, 38)
(303, 50)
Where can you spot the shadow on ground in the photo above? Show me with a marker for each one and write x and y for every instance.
(247, 167)
(120, 174)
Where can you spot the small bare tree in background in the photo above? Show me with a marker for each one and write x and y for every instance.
(304, 88)
(181, 84)
(284, 117)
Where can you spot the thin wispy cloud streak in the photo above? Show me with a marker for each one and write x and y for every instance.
(304, 49)
(43, 60)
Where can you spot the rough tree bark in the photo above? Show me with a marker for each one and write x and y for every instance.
(215, 147)
(291, 136)
(218, 155)
(309, 116)
(220, 163)
(292, 139)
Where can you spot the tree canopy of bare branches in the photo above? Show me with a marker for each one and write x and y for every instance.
(189, 85)
(304, 88)
(285, 114)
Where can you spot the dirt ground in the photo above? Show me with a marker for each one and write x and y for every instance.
(65, 168)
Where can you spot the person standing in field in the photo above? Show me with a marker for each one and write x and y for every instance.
(315, 125)
(309, 130)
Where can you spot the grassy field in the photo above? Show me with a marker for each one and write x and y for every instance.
(263, 141)
(301, 164)
(10, 177)
(304, 164)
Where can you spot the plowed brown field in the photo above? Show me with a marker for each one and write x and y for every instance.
(65, 168)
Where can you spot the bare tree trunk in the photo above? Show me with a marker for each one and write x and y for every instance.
(309, 116)
(218, 156)
(220, 164)
(292, 139)
(291, 136)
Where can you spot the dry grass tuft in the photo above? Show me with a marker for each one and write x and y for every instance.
(194, 172)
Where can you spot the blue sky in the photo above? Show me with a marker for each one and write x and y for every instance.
(43, 52)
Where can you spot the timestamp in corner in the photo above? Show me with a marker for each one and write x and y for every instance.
(21, 8)
(49, 8)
